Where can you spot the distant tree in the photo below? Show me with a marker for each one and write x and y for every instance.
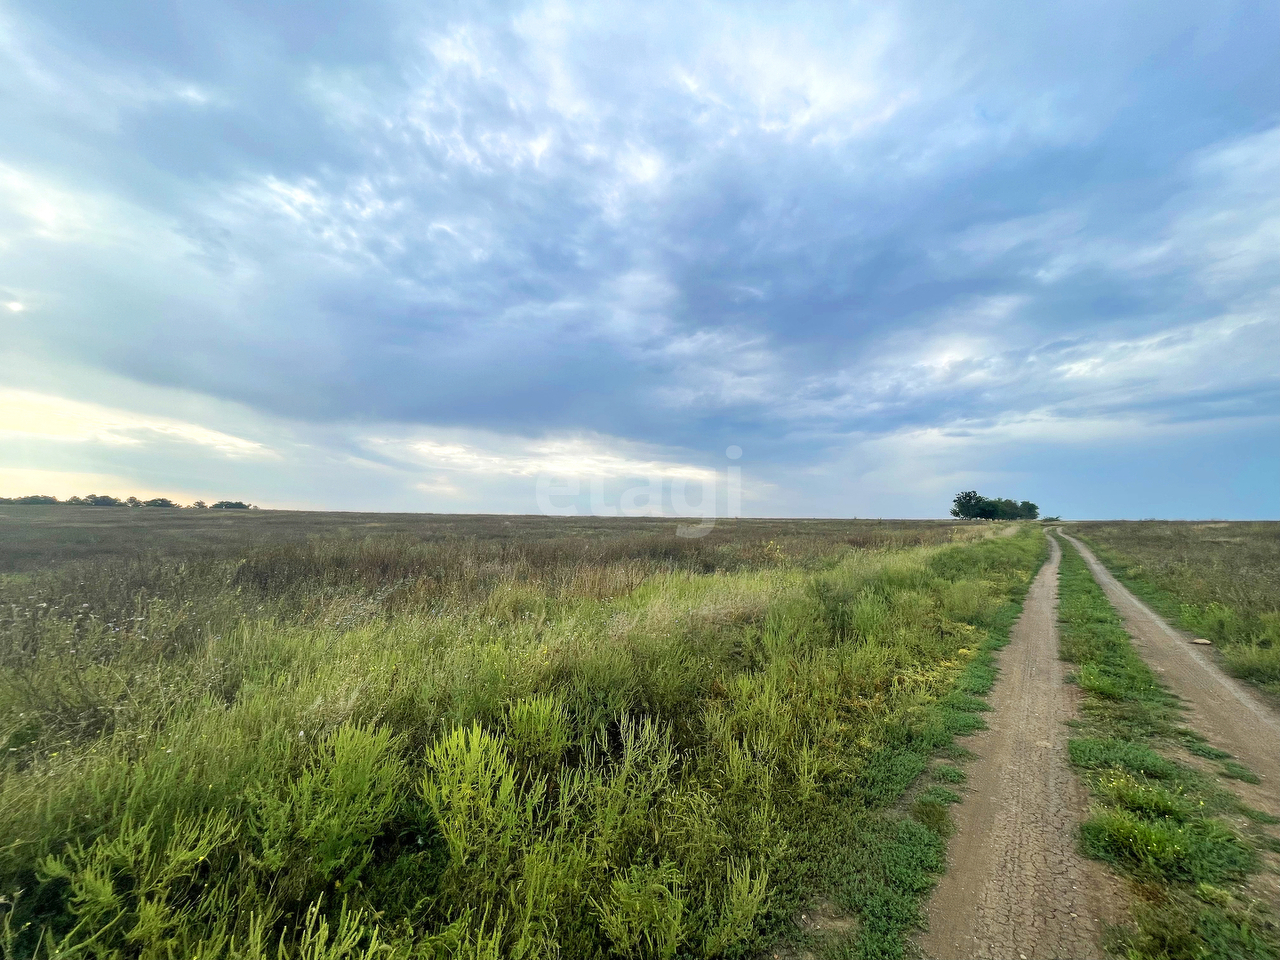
(971, 505)
(94, 500)
(1005, 509)
(102, 500)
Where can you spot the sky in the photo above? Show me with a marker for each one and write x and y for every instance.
(782, 259)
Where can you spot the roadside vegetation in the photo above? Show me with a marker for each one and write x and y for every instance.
(1220, 581)
(491, 746)
(1189, 845)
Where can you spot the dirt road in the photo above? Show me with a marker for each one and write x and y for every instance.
(1016, 887)
(1218, 707)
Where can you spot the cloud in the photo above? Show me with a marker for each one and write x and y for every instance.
(582, 457)
(31, 416)
(64, 484)
(622, 238)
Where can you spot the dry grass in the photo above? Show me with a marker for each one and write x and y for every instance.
(33, 537)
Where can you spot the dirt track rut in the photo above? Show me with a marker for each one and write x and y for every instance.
(1218, 707)
(1016, 886)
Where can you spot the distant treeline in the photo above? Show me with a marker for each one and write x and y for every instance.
(98, 500)
(971, 505)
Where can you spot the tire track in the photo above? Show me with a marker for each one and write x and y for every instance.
(1016, 886)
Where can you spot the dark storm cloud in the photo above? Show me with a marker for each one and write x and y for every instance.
(684, 225)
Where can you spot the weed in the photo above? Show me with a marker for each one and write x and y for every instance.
(1202, 850)
(1201, 749)
(933, 814)
(939, 794)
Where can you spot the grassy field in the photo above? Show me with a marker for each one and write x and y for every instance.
(312, 736)
(34, 537)
(1190, 846)
(1217, 580)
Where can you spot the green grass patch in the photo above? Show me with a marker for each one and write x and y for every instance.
(1163, 849)
(1238, 771)
(1201, 749)
(1101, 753)
(1142, 796)
(947, 773)
(1155, 819)
(939, 794)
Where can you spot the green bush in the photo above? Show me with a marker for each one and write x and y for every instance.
(644, 914)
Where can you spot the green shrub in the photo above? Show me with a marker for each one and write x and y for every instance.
(321, 827)
(480, 808)
(746, 893)
(1200, 851)
(538, 731)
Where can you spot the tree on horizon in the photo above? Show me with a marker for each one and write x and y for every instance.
(971, 505)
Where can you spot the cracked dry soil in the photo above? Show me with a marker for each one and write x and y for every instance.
(1016, 886)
